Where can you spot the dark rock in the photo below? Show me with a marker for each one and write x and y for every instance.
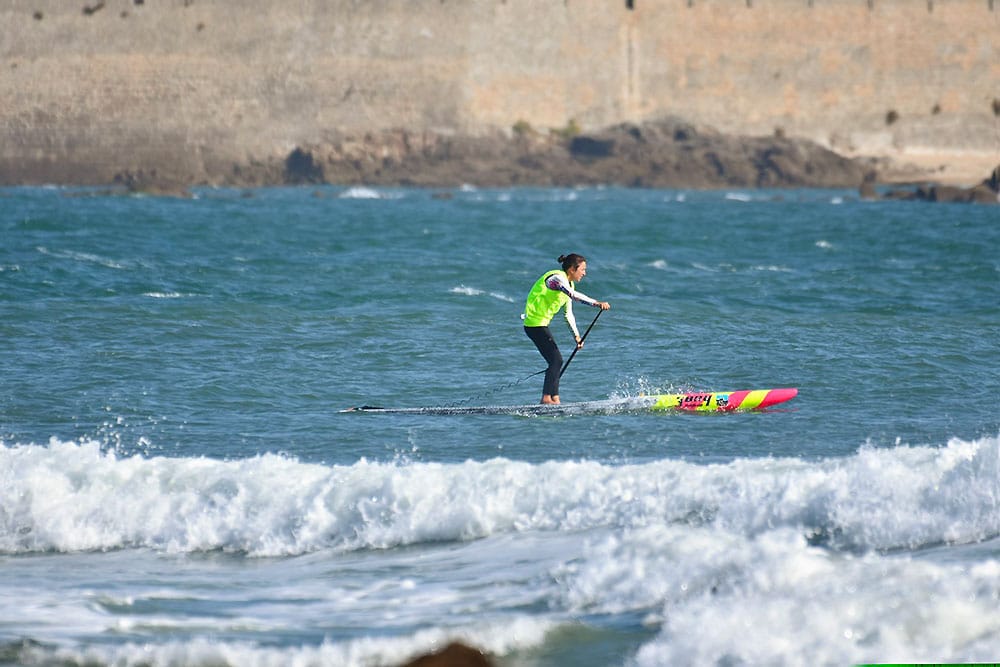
(993, 182)
(900, 195)
(454, 654)
(300, 168)
(593, 147)
(152, 183)
(984, 194)
(867, 189)
(947, 194)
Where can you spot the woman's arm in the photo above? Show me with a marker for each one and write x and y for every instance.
(558, 282)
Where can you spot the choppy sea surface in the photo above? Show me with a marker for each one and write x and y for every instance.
(179, 486)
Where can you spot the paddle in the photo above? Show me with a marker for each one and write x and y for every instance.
(583, 338)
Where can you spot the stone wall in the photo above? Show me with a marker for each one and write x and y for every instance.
(207, 89)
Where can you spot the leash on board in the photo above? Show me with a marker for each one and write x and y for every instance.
(491, 392)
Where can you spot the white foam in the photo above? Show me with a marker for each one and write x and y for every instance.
(164, 295)
(83, 257)
(74, 496)
(774, 600)
(498, 638)
(467, 291)
(473, 291)
(359, 192)
(756, 561)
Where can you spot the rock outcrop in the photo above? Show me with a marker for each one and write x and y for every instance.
(667, 154)
(987, 192)
(454, 654)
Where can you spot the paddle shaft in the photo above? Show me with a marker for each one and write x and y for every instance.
(583, 338)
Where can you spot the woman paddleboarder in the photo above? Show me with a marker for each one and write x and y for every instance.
(555, 289)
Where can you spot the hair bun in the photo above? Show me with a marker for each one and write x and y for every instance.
(562, 258)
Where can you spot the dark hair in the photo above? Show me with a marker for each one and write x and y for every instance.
(571, 261)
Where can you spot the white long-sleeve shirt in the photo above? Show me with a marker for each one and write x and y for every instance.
(559, 282)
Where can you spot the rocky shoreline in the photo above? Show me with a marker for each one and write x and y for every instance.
(669, 153)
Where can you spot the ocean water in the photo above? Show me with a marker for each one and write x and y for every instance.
(178, 485)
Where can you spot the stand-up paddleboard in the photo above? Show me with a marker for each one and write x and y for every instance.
(715, 401)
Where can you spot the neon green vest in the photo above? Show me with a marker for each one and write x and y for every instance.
(543, 303)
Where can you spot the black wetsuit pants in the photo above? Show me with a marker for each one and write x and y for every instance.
(546, 344)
